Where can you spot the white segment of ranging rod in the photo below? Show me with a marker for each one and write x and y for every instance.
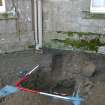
(72, 98)
(32, 70)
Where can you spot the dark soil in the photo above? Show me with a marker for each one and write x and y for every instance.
(42, 82)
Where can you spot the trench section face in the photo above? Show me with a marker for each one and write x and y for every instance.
(52, 81)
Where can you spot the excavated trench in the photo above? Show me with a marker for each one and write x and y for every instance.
(59, 73)
(51, 81)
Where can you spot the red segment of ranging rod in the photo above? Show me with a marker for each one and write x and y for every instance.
(25, 79)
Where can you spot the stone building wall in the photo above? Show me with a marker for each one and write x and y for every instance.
(68, 21)
(67, 24)
(16, 31)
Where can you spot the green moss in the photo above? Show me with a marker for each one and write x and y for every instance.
(59, 31)
(89, 15)
(5, 15)
(81, 33)
(71, 33)
(57, 40)
(91, 45)
(31, 46)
